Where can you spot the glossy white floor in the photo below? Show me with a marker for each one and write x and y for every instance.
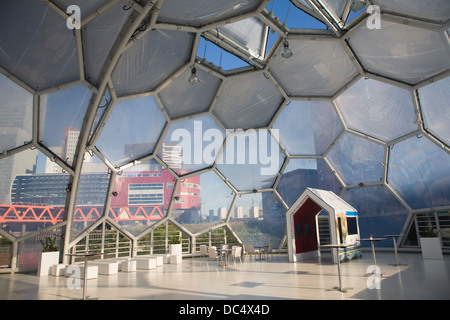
(195, 279)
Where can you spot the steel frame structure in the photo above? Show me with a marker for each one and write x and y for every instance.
(340, 30)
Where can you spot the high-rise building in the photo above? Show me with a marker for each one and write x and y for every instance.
(16, 118)
(239, 212)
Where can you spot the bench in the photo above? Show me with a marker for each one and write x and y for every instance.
(146, 263)
(58, 270)
(106, 267)
(77, 271)
(128, 265)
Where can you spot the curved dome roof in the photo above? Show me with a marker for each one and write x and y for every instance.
(360, 108)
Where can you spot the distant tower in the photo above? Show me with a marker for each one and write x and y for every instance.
(239, 212)
(69, 144)
(254, 212)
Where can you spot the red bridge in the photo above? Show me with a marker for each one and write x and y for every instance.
(17, 213)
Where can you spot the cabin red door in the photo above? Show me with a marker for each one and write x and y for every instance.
(305, 227)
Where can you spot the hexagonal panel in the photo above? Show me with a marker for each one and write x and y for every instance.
(141, 196)
(180, 98)
(259, 219)
(357, 160)
(436, 10)
(317, 67)
(87, 6)
(434, 101)
(11, 172)
(61, 117)
(96, 46)
(302, 173)
(16, 114)
(91, 195)
(377, 109)
(402, 52)
(251, 160)
(151, 60)
(247, 101)
(202, 202)
(315, 122)
(199, 12)
(132, 130)
(45, 54)
(192, 144)
(382, 214)
(419, 171)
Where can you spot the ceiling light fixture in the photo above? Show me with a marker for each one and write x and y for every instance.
(287, 53)
(193, 79)
(357, 5)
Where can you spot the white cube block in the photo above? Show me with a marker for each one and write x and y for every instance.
(58, 270)
(46, 261)
(77, 271)
(175, 259)
(145, 263)
(106, 268)
(119, 261)
(165, 257)
(128, 265)
(159, 260)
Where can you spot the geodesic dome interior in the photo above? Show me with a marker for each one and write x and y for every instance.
(103, 126)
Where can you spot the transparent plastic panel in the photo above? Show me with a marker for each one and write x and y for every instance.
(180, 98)
(30, 249)
(44, 55)
(141, 196)
(357, 160)
(435, 10)
(132, 130)
(258, 219)
(32, 192)
(300, 174)
(337, 6)
(215, 55)
(91, 195)
(379, 213)
(61, 117)
(316, 68)
(191, 145)
(202, 202)
(247, 101)
(115, 243)
(401, 52)
(151, 60)
(251, 160)
(201, 12)
(248, 32)
(16, 115)
(419, 171)
(377, 109)
(99, 36)
(435, 105)
(87, 7)
(308, 127)
(103, 107)
(6, 248)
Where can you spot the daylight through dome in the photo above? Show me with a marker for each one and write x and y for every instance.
(127, 123)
